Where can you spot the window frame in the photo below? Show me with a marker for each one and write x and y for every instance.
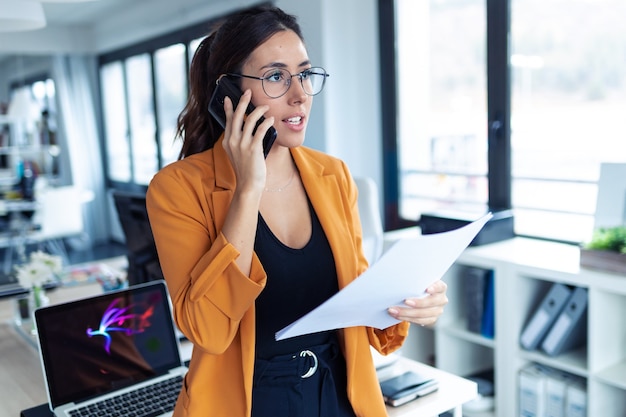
(498, 110)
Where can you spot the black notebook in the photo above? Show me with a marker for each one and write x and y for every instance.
(406, 387)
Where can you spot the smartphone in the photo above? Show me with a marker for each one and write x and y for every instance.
(407, 387)
(225, 87)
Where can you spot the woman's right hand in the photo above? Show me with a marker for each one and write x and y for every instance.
(246, 156)
(244, 149)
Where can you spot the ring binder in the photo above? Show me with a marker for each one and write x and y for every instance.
(545, 316)
(570, 329)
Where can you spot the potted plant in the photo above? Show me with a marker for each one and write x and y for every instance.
(606, 251)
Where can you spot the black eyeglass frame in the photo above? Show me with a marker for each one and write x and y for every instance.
(300, 75)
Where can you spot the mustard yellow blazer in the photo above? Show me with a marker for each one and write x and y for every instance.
(214, 302)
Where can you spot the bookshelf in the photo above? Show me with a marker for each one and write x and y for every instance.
(524, 270)
(16, 145)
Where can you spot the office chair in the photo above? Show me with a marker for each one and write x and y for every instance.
(143, 260)
(371, 223)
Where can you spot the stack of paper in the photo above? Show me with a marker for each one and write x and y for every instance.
(404, 271)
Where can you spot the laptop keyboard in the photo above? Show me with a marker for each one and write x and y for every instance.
(149, 401)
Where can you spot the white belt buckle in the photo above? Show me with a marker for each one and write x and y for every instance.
(313, 368)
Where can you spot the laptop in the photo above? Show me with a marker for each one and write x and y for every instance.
(9, 286)
(111, 354)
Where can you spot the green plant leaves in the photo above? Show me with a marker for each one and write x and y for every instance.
(609, 238)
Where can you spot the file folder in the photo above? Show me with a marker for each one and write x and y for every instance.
(556, 393)
(475, 289)
(532, 391)
(543, 318)
(488, 327)
(570, 329)
(576, 400)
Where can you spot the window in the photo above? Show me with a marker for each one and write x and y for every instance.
(141, 116)
(44, 93)
(442, 109)
(36, 129)
(475, 122)
(170, 74)
(568, 105)
(143, 90)
(115, 121)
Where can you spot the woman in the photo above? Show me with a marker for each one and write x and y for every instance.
(247, 245)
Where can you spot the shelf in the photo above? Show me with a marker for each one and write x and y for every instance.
(479, 413)
(459, 329)
(574, 361)
(534, 254)
(524, 270)
(21, 150)
(614, 375)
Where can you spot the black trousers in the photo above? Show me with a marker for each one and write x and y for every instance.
(309, 383)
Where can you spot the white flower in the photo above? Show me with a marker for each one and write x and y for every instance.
(54, 263)
(41, 268)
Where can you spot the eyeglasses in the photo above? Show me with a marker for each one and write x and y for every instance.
(276, 81)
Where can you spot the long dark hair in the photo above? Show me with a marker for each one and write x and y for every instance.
(224, 50)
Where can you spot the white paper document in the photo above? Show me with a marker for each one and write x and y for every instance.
(404, 271)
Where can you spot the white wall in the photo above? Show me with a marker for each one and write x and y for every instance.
(342, 36)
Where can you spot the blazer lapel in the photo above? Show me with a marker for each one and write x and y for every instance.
(325, 194)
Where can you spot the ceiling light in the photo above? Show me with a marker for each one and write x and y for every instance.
(21, 15)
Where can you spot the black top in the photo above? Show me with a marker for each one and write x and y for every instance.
(298, 280)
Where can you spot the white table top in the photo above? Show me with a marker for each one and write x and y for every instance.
(453, 390)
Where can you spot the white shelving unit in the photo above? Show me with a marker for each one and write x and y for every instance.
(7, 152)
(15, 145)
(524, 269)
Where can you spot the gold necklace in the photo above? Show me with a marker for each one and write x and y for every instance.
(279, 189)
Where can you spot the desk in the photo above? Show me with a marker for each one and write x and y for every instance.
(453, 391)
(22, 383)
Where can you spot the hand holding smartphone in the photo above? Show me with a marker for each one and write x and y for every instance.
(225, 87)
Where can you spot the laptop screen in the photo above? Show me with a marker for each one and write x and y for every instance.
(95, 345)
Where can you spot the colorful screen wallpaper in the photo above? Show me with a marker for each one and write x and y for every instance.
(97, 345)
